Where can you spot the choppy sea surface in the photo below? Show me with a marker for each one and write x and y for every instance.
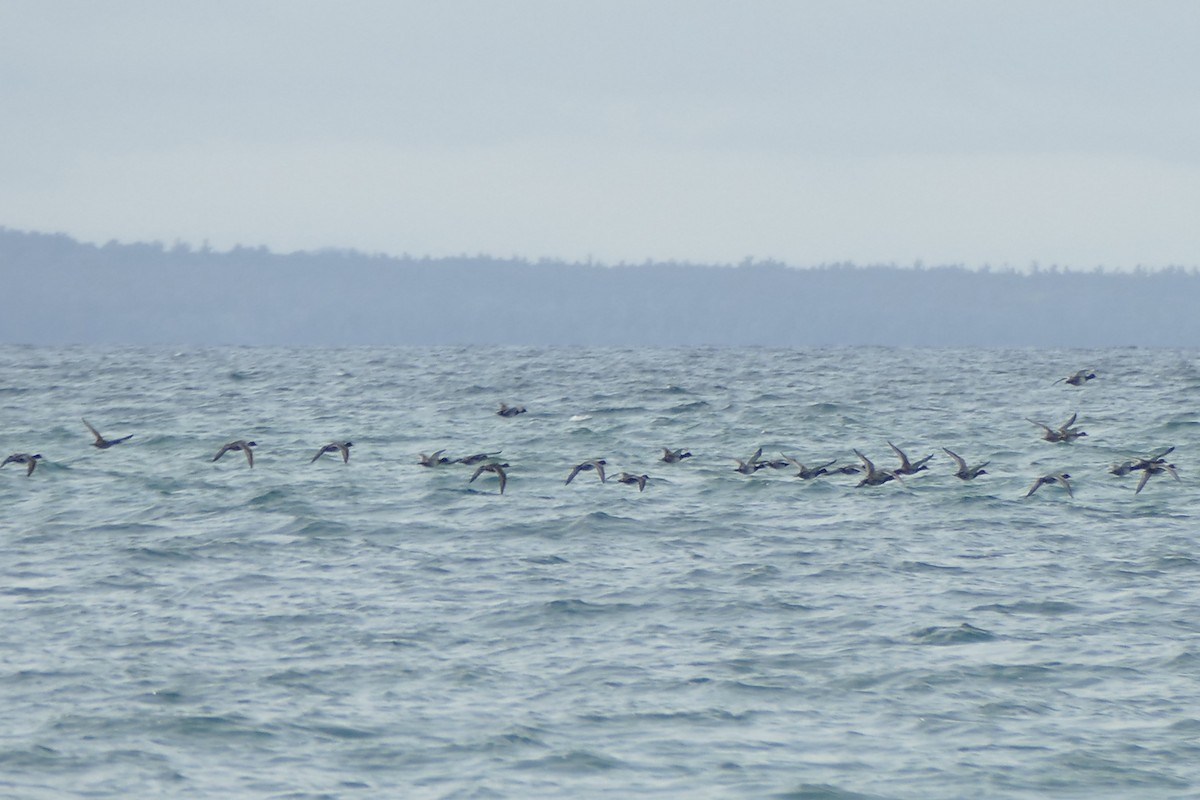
(178, 627)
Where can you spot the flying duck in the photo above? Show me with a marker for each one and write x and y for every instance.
(630, 478)
(1078, 379)
(510, 411)
(964, 472)
(335, 447)
(434, 459)
(750, 465)
(101, 443)
(492, 466)
(874, 477)
(241, 445)
(1133, 464)
(1046, 480)
(1065, 433)
(471, 461)
(1154, 468)
(30, 461)
(808, 473)
(906, 467)
(595, 464)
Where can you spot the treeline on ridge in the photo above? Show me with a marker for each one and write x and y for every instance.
(58, 290)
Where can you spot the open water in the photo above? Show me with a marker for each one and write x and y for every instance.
(175, 627)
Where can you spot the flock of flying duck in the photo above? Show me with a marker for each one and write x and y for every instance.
(1154, 464)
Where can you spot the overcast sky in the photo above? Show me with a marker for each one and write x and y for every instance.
(1056, 131)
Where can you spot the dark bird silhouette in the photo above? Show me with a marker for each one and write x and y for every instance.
(30, 461)
(808, 473)
(102, 443)
(471, 461)
(630, 478)
(493, 467)
(1046, 480)
(1154, 468)
(434, 459)
(750, 465)
(874, 477)
(240, 445)
(587, 466)
(906, 467)
(335, 447)
(964, 472)
(1064, 433)
(1078, 379)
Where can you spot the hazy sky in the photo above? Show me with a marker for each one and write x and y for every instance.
(1055, 131)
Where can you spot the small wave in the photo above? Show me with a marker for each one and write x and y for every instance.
(925, 566)
(573, 607)
(546, 560)
(963, 634)
(821, 791)
(574, 762)
(266, 497)
(1047, 608)
(683, 408)
(124, 527)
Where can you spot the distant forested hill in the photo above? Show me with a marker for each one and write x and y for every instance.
(56, 290)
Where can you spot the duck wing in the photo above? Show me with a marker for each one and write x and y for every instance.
(958, 460)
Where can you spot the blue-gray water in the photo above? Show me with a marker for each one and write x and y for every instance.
(175, 627)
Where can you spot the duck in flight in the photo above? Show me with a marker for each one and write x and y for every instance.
(1078, 378)
(808, 473)
(510, 411)
(1065, 433)
(1134, 464)
(493, 467)
(874, 477)
(674, 456)
(630, 478)
(101, 443)
(434, 459)
(472, 460)
(241, 445)
(30, 461)
(1062, 478)
(596, 464)
(1154, 467)
(335, 447)
(906, 467)
(964, 472)
(750, 465)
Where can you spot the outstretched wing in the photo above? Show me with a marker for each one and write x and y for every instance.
(962, 465)
(95, 432)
